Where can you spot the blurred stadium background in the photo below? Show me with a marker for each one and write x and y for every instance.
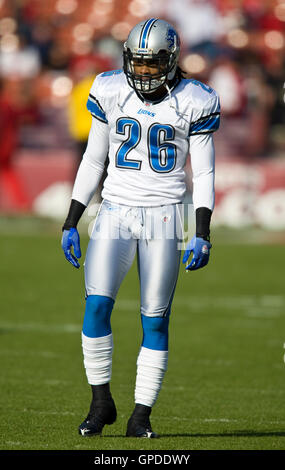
(51, 51)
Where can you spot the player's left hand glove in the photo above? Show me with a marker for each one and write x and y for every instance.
(201, 253)
(70, 238)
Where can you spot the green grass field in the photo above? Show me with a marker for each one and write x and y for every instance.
(225, 384)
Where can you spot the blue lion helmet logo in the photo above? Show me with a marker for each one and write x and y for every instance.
(171, 34)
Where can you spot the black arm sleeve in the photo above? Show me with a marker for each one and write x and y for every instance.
(203, 219)
(76, 210)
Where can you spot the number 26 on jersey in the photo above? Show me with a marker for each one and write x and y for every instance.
(160, 147)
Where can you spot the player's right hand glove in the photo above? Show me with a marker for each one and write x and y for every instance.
(201, 253)
(70, 238)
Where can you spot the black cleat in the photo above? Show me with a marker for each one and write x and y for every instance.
(139, 423)
(101, 412)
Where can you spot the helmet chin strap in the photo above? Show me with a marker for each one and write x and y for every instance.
(173, 106)
(171, 74)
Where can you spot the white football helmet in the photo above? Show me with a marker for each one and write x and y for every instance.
(156, 41)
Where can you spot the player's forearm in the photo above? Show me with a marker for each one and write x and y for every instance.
(75, 212)
(203, 170)
(203, 220)
(203, 201)
(87, 180)
(203, 194)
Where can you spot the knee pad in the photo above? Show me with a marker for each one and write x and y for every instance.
(155, 332)
(97, 317)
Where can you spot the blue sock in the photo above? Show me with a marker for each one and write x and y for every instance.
(97, 318)
(155, 332)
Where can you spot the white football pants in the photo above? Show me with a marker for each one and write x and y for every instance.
(119, 232)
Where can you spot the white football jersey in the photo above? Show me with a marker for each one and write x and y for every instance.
(148, 143)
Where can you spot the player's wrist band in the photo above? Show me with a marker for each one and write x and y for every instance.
(203, 220)
(76, 210)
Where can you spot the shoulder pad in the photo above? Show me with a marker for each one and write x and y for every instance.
(104, 92)
(206, 108)
(108, 83)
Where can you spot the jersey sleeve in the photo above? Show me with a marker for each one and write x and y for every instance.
(92, 165)
(205, 120)
(206, 116)
(104, 93)
(96, 103)
(202, 152)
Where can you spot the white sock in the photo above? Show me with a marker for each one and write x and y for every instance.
(151, 367)
(97, 354)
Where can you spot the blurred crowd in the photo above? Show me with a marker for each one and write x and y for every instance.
(51, 50)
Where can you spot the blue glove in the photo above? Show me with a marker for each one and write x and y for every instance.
(201, 253)
(70, 238)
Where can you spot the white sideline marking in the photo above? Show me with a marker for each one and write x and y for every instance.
(205, 420)
(55, 328)
(45, 354)
(252, 306)
(37, 412)
(14, 443)
(265, 304)
(32, 381)
(220, 420)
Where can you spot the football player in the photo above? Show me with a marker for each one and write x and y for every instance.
(146, 118)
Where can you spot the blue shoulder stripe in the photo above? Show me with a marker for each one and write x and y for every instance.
(95, 109)
(109, 73)
(210, 123)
